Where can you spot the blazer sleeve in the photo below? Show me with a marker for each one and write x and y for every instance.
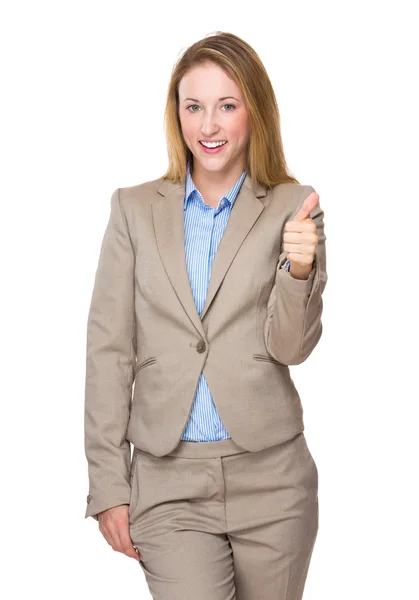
(293, 323)
(110, 357)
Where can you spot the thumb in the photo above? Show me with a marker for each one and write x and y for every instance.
(309, 203)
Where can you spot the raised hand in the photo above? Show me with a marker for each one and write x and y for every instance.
(300, 239)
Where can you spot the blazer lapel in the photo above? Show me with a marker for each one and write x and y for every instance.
(168, 218)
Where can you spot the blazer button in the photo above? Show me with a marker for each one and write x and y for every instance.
(201, 346)
(88, 498)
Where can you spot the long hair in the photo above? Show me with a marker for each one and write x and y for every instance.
(265, 160)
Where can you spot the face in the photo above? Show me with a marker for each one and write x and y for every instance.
(212, 108)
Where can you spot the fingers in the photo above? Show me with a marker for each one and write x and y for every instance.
(307, 249)
(114, 526)
(308, 226)
(110, 533)
(308, 205)
(296, 237)
(300, 242)
(126, 543)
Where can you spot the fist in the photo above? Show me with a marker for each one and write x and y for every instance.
(300, 236)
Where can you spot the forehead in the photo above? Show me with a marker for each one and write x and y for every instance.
(208, 81)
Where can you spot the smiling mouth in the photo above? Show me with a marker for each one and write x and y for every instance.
(213, 148)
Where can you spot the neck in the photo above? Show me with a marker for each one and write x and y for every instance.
(215, 183)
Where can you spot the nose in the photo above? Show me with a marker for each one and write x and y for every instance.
(209, 126)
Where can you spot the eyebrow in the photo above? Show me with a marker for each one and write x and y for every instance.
(219, 99)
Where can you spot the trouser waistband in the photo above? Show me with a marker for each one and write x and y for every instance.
(216, 449)
(207, 449)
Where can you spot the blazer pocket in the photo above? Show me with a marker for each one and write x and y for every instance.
(148, 361)
(267, 358)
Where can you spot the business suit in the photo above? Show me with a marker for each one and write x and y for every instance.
(144, 328)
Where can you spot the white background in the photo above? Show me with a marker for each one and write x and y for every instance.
(83, 93)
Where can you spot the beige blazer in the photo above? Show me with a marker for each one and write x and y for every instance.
(147, 345)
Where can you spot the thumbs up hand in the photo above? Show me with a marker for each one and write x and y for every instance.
(300, 239)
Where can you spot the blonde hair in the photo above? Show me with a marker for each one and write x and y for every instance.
(265, 153)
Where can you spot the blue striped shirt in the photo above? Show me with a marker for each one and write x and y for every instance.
(204, 227)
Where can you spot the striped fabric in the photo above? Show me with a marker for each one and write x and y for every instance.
(204, 227)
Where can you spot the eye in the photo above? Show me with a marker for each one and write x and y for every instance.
(192, 105)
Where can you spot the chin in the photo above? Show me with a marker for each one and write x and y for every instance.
(214, 167)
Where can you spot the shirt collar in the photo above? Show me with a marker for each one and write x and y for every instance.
(190, 187)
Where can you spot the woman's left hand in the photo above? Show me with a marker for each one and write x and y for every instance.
(300, 238)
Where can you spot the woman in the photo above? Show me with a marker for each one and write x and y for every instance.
(209, 285)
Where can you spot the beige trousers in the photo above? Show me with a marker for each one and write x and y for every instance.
(213, 521)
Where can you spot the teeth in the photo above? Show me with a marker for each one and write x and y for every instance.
(212, 144)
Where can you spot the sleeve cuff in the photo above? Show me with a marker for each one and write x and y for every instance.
(94, 508)
(299, 284)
